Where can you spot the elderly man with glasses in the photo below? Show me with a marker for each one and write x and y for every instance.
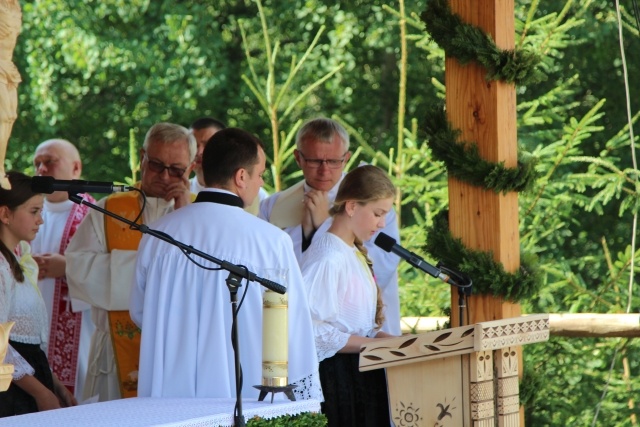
(322, 152)
(101, 257)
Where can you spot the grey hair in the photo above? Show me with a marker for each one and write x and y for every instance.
(166, 133)
(322, 129)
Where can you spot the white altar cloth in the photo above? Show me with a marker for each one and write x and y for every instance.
(168, 412)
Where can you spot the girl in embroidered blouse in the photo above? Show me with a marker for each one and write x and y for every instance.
(34, 387)
(345, 300)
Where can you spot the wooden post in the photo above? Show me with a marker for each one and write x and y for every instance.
(485, 112)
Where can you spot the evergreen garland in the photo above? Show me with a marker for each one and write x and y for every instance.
(467, 43)
(463, 159)
(489, 277)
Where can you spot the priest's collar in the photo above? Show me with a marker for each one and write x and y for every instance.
(222, 197)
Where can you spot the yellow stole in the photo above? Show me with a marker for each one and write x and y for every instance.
(125, 335)
(288, 209)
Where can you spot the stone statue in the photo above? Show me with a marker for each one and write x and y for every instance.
(10, 23)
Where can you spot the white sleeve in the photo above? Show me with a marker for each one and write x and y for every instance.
(322, 277)
(94, 275)
(20, 366)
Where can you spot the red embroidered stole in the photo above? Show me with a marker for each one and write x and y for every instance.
(64, 336)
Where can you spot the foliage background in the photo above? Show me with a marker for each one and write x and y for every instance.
(100, 73)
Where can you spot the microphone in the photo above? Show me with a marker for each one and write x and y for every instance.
(389, 244)
(48, 184)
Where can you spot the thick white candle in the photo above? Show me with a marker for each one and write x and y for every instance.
(275, 333)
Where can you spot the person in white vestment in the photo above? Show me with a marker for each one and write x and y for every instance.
(302, 211)
(345, 300)
(184, 310)
(34, 386)
(102, 277)
(70, 322)
(203, 129)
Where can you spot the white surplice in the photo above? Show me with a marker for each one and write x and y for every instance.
(341, 291)
(385, 264)
(184, 311)
(48, 240)
(103, 280)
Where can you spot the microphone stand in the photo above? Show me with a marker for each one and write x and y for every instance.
(234, 281)
(464, 285)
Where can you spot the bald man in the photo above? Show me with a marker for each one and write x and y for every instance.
(70, 320)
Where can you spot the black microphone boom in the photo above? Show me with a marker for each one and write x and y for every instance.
(48, 184)
(389, 244)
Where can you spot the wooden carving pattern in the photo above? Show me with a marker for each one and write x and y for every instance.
(482, 366)
(508, 386)
(405, 349)
(407, 415)
(512, 332)
(482, 411)
(508, 390)
(481, 389)
(511, 420)
(507, 362)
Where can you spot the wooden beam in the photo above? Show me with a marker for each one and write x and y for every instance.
(576, 325)
(585, 325)
(485, 112)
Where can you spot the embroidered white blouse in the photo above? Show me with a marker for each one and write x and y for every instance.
(342, 293)
(22, 303)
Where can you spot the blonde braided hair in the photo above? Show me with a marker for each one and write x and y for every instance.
(363, 185)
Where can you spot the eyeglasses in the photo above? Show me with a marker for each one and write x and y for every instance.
(331, 163)
(159, 167)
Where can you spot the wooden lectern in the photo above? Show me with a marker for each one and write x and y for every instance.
(465, 376)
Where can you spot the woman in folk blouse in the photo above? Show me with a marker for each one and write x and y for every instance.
(345, 300)
(34, 387)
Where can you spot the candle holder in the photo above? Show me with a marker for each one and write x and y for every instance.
(266, 389)
(275, 342)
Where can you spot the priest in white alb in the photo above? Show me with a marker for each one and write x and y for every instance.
(184, 310)
(70, 321)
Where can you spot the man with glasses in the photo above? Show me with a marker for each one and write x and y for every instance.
(101, 257)
(322, 152)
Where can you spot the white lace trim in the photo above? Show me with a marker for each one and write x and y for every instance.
(20, 366)
(329, 340)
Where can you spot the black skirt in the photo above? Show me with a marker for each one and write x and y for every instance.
(15, 401)
(353, 398)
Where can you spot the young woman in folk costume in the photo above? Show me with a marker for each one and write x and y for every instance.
(345, 301)
(34, 387)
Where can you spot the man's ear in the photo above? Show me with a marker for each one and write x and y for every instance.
(77, 169)
(240, 178)
(347, 157)
(296, 154)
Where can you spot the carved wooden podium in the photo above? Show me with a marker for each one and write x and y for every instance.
(465, 376)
